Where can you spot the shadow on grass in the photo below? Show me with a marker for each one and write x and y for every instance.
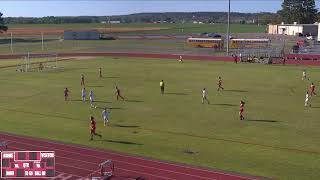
(128, 100)
(96, 86)
(316, 107)
(223, 104)
(180, 94)
(110, 77)
(235, 90)
(108, 107)
(125, 126)
(262, 120)
(122, 142)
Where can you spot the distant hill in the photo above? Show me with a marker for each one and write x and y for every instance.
(168, 17)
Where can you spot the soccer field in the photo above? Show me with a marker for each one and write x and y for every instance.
(279, 138)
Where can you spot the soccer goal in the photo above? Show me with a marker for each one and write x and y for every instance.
(39, 63)
(106, 171)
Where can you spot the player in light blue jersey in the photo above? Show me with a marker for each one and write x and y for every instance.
(105, 114)
(91, 97)
(84, 94)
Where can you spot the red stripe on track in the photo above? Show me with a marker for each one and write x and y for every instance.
(82, 161)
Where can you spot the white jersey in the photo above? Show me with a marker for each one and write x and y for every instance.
(204, 93)
(307, 97)
(304, 74)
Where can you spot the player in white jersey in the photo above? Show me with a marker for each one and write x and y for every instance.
(306, 100)
(204, 96)
(84, 94)
(105, 114)
(180, 59)
(304, 75)
(91, 96)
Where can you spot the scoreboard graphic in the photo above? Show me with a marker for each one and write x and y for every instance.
(27, 164)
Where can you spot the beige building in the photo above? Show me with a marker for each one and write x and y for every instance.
(294, 29)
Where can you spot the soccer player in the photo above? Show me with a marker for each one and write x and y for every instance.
(235, 58)
(241, 110)
(306, 100)
(304, 75)
(100, 72)
(91, 97)
(204, 96)
(84, 94)
(162, 87)
(93, 128)
(105, 114)
(66, 94)
(180, 59)
(118, 93)
(82, 80)
(220, 83)
(312, 90)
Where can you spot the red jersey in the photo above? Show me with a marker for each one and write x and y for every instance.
(312, 87)
(93, 124)
(241, 107)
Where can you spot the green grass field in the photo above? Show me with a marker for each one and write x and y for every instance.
(279, 139)
(168, 28)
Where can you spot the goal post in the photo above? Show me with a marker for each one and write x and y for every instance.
(39, 63)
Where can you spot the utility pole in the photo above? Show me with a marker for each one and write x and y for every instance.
(42, 41)
(11, 42)
(228, 28)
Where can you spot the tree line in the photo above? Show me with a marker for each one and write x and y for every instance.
(169, 17)
(300, 11)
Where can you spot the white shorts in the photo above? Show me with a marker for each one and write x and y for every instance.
(91, 99)
(106, 119)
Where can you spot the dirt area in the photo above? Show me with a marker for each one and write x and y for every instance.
(59, 31)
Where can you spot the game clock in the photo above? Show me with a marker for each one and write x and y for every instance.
(27, 164)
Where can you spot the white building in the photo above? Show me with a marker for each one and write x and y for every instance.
(294, 29)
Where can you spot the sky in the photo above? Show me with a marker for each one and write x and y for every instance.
(37, 8)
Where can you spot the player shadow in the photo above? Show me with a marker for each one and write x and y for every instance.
(316, 107)
(96, 86)
(223, 104)
(110, 77)
(262, 120)
(108, 107)
(174, 93)
(122, 142)
(131, 100)
(125, 126)
(235, 90)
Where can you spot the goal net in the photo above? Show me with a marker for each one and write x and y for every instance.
(39, 63)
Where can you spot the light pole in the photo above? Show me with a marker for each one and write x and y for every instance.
(228, 28)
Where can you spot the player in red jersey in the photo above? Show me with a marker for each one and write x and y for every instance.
(93, 128)
(118, 93)
(66, 94)
(82, 80)
(241, 110)
(312, 90)
(220, 84)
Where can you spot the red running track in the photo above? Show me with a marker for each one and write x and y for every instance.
(74, 162)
